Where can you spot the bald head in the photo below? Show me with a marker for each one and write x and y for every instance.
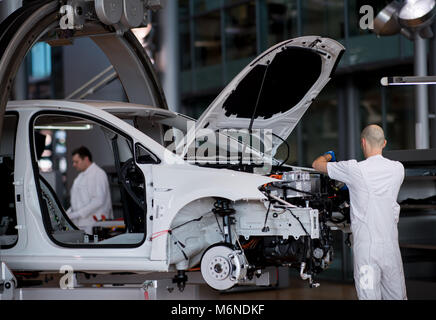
(374, 135)
(372, 140)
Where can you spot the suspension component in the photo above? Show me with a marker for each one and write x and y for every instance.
(307, 276)
(223, 209)
(180, 279)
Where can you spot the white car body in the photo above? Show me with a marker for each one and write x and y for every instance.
(177, 192)
(35, 251)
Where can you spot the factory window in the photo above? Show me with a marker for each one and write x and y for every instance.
(370, 103)
(320, 125)
(282, 20)
(72, 220)
(207, 42)
(206, 5)
(184, 9)
(318, 131)
(240, 31)
(324, 18)
(400, 117)
(40, 61)
(8, 215)
(185, 45)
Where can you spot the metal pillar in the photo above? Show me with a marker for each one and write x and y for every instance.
(352, 109)
(421, 95)
(261, 26)
(384, 97)
(342, 121)
(170, 54)
(432, 89)
(20, 84)
(299, 129)
(223, 46)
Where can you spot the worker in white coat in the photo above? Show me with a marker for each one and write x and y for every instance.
(90, 195)
(373, 185)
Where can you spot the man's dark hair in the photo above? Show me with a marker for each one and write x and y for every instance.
(83, 152)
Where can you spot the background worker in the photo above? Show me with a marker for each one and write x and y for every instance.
(373, 185)
(90, 195)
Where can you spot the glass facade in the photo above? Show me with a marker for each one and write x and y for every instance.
(240, 31)
(320, 126)
(282, 20)
(229, 33)
(400, 129)
(207, 39)
(324, 18)
(219, 38)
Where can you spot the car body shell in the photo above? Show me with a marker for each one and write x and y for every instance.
(168, 183)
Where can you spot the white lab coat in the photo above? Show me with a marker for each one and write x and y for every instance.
(374, 185)
(90, 196)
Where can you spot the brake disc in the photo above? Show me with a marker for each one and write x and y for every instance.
(222, 268)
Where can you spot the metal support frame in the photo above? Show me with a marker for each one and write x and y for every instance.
(163, 289)
(152, 286)
(432, 89)
(384, 107)
(92, 85)
(421, 96)
(342, 130)
(299, 129)
(192, 46)
(223, 45)
(7, 283)
(110, 287)
(352, 110)
(170, 50)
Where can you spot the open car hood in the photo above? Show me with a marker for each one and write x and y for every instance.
(277, 87)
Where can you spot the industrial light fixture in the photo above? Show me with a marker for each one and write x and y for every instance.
(418, 15)
(413, 19)
(408, 18)
(82, 127)
(386, 22)
(407, 81)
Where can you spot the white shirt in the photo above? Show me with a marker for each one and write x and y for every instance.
(374, 185)
(90, 196)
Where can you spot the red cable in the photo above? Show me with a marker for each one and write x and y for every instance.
(158, 234)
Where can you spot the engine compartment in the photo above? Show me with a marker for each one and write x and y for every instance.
(313, 202)
(292, 227)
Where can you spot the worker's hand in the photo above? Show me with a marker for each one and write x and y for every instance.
(320, 163)
(330, 156)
